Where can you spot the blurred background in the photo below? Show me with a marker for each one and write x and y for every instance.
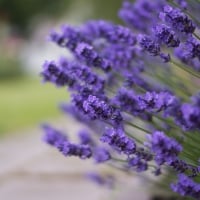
(24, 27)
(28, 168)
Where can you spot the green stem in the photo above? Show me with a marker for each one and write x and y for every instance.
(185, 69)
(136, 139)
(138, 127)
(197, 36)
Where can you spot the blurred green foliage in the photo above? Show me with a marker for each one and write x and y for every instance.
(10, 68)
(106, 9)
(19, 13)
(26, 102)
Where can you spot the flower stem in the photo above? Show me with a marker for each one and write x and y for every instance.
(184, 68)
(138, 127)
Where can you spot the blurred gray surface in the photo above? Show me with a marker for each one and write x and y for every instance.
(31, 170)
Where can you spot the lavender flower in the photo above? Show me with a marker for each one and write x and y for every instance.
(53, 136)
(119, 141)
(85, 137)
(138, 163)
(177, 20)
(59, 141)
(153, 101)
(103, 180)
(96, 108)
(69, 149)
(101, 155)
(128, 101)
(149, 45)
(111, 32)
(56, 75)
(165, 35)
(188, 51)
(191, 116)
(117, 81)
(186, 187)
(87, 53)
(165, 148)
(141, 10)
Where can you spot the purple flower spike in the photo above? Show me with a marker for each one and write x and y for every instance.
(85, 137)
(69, 149)
(96, 108)
(87, 53)
(177, 20)
(149, 45)
(119, 141)
(166, 36)
(186, 187)
(53, 136)
(103, 180)
(138, 163)
(101, 155)
(166, 149)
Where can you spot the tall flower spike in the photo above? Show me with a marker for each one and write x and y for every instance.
(87, 53)
(166, 36)
(186, 187)
(96, 108)
(101, 155)
(117, 139)
(149, 45)
(133, 13)
(53, 136)
(69, 149)
(166, 149)
(177, 20)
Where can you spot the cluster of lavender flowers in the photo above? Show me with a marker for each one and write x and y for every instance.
(134, 81)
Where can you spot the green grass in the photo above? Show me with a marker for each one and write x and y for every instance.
(27, 102)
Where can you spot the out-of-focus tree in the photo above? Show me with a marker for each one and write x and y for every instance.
(19, 13)
(106, 9)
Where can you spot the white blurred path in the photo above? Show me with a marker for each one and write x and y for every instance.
(30, 170)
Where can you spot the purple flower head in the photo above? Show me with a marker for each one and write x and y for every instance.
(177, 20)
(82, 74)
(186, 187)
(85, 137)
(196, 99)
(140, 11)
(69, 149)
(117, 139)
(121, 34)
(101, 155)
(103, 180)
(180, 165)
(127, 100)
(153, 101)
(191, 116)
(149, 45)
(119, 55)
(53, 73)
(166, 149)
(96, 108)
(165, 57)
(87, 53)
(68, 38)
(182, 3)
(157, 171)
(188, 51)
(138, 163)
(53, 136)
(110, 32)
(166, 36)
